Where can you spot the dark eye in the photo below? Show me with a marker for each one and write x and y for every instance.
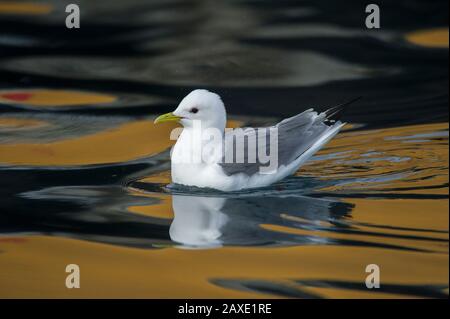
(194, 110)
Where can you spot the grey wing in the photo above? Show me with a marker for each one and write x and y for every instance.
(294, 136)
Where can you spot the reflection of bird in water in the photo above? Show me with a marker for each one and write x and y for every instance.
(198, 220)
(207, 221)
(102, 214)
(288, 145)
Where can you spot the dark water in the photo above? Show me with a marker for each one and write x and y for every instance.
(84, 173)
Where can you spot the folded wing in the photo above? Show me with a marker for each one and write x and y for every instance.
(293, 136)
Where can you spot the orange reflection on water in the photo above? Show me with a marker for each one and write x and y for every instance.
(24, 8)
(407, 159)
(51, 98)
(20, 123)
(36, 268)
(434, 38)
(126, 142)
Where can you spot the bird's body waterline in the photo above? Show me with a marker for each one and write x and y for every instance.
(297, 139)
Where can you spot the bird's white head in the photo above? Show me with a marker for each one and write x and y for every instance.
(201, 105)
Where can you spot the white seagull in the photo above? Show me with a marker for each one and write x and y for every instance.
(298, 138)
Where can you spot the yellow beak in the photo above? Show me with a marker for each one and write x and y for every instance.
(168, 117)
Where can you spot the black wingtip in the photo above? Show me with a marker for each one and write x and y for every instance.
(334, 113)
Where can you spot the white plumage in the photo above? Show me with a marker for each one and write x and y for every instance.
(299, 138)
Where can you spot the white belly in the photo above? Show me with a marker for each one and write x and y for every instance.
(190, 169)
(202, 175)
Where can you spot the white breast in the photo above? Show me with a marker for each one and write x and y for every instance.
(194, 169)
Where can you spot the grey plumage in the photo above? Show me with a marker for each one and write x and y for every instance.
(295, 136)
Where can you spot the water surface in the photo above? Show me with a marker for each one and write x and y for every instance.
(84, 173)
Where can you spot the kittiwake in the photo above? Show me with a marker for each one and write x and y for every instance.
(202, 113)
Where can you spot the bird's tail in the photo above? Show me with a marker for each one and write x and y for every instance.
(333, 114)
